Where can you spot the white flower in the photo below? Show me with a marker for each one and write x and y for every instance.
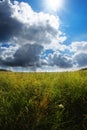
(61, 106)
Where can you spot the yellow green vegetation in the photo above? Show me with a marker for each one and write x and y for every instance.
(43, 101)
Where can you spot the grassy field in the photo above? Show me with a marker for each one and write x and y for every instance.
(43, 101)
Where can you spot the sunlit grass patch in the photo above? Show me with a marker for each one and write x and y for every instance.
(43, 101)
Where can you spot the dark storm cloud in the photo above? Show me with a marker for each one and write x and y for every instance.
(9, 26)
(19, 21)
(27, 55)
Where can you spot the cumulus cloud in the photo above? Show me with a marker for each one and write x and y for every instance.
(9, 26)
(27, 55)
(30, 55)
(79, 50)
(28, 34)
(21, 24)
(81, 59)
(78, 46)
(60, 60)
(7, 51)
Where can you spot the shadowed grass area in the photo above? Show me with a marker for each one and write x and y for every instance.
(43, 101)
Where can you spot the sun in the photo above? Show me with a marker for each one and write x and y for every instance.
(53, 5)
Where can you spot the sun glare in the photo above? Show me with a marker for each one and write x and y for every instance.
(53, 5)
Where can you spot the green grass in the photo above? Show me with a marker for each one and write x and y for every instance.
(43, 101)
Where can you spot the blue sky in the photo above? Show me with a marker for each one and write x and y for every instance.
(76, 19)
(37, 35)
(73, 17)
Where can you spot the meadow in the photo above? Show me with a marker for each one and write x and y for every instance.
(43, 101)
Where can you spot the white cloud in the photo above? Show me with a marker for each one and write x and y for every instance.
(60, 60)
(78, 46)
(8, 52)
(81, 59)
(79, 50)
(23, 25)
(32, 33)
(27, 55)
(29, 32)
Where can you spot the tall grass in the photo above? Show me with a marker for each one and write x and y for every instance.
(43, 101)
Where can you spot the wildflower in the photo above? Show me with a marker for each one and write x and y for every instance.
(61, 106)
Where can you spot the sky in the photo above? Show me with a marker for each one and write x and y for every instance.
(43, 35)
